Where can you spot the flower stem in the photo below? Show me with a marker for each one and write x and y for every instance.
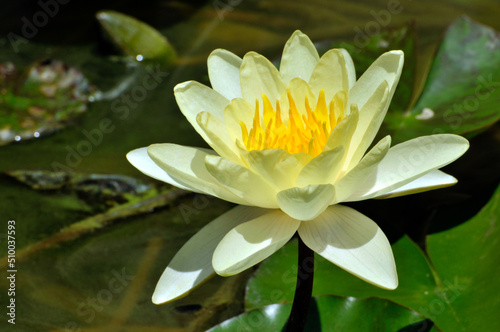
(302, 298)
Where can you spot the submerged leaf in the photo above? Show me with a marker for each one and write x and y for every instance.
(111, 198)
(135, 38)
(99, 190)
(40, 101)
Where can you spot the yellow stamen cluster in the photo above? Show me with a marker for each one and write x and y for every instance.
(303, 133)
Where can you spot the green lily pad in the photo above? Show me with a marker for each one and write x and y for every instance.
(270, 318)
(462, 91)
(328, 314)
(135, 38)
(455, 287)
(46, 99)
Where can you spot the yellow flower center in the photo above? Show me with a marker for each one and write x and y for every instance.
(303, 133)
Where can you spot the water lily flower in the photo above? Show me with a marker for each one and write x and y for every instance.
(289, 146)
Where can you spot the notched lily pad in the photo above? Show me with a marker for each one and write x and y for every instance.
(135, 38)
(40, 101)
(462, 91)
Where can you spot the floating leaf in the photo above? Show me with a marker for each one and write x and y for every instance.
(327, 314)
(135, 38)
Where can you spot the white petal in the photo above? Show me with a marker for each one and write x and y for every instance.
(253, 241)
(186, 165)
(141, 160)
(193, 98)
(410, 160)
(354, 242)
(193, 262)
(371, 117)
(386, 68)
(330, 75)
(220, 140)
(299, 90)
(351, 70)
(259, 76)
(322, 169)
(343, 132)
(299, 58)
(277, 166)
(306, 203)
(430, 181)
(357, 176)
(238, 110)
(224, 73)
(242, 182)
(373, 93)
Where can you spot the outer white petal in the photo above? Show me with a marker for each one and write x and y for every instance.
(224, 73)
(373, 93)
(370, 118)
(238, 110)
(430, 181)
(386, 68)
(354, 242)
(193, 262)
(299, 58)
(141, 160)
(357, 176)
(253, 241)
(193, 98)
(306, 203)
(410, 160)
(259, 76)
(219, 138)
(186, 166)
(242, 182)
